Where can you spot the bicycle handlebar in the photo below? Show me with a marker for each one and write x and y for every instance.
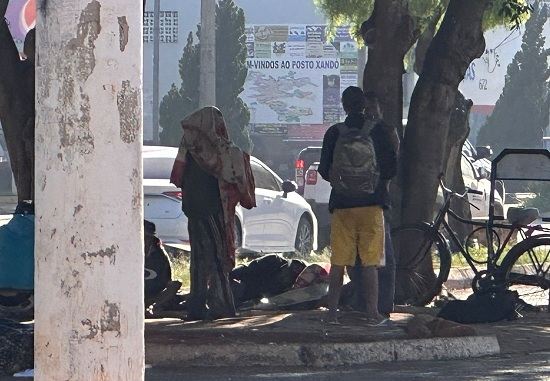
(452, 193)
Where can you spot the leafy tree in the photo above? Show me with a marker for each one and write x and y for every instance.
(231, 72)
(392, 28)
(182, 101)
(542, 196)
(521, 113)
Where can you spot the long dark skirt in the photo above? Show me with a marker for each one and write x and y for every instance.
(210, 296)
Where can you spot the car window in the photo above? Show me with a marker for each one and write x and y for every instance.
(263, 178)
(157, 167)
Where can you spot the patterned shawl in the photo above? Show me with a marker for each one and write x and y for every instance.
(205, 137)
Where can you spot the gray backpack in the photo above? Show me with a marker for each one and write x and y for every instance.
(354, 170)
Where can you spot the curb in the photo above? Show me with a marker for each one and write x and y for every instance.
(319, 354)
(459, 279)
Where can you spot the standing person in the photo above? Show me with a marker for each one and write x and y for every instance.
(385, 139)
(214, 176)
(358, 171)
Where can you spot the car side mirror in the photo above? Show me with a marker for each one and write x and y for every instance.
(483, 152)
(288, 186)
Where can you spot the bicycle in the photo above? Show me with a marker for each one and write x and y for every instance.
(526, 264)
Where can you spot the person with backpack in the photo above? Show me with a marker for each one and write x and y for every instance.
(358, 168)
(385, 139)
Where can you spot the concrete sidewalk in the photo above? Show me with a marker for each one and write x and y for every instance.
(301, 338)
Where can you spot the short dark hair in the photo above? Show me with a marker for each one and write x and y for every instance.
(353, 99)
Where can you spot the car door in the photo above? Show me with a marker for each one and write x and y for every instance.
(472, 181)
(268, 212)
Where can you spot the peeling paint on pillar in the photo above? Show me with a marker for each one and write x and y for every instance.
(128, 103)
(110, 321)
(109, 253)
(74, 125)
(123, 30)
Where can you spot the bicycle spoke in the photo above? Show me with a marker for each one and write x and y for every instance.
(422, 264)
(527, 266)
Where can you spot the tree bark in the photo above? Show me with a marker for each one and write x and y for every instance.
(424, 156)
(458, 133)
(17, 107)
(384, 69)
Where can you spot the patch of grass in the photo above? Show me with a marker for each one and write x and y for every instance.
(180, 270)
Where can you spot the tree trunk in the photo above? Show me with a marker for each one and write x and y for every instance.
(384, 69)
(458, 133)
(17, 107)
(458, 41)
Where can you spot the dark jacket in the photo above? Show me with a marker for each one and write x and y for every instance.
(200, 192)
(383, 138)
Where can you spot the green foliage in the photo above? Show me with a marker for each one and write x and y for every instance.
(354, 12)
(182, 101)
(521, 112)
(542, 196)
(515, 11)
(231, 72)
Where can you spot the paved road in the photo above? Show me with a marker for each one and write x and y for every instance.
(521, 367)
(535, 366)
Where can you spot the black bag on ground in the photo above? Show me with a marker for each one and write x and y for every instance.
(486, 307)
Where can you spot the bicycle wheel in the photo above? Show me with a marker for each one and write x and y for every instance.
(423, 263)
(526, 269)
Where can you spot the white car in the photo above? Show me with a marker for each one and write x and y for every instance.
(317, 190)
(317, 193)
(282, 221)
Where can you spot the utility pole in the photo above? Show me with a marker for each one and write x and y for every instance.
(156, 70)
(89, 309)
(207, 81)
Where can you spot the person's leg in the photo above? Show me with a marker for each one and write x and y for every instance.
(196, 306)
(386, 276)
(370, 282)
(342, 241)
(220, 298)
(370, 247)
(336, 278)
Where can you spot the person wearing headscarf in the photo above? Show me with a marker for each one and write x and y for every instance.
(214, 175)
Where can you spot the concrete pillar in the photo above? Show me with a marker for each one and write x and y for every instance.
(207, 80)
(89, 218)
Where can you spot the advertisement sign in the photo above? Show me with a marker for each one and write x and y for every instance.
(295, 78)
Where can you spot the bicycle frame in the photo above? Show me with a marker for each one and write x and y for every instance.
(491, 264)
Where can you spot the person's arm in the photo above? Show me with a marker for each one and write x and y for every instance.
(329, 141)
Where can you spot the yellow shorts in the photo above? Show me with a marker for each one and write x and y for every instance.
(357, 231)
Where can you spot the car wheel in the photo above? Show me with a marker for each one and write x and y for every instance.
(304, 237)
(238, 233)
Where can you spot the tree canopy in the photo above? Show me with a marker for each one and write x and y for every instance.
(231, 72)
(521, 112)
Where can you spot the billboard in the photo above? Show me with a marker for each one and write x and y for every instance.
(296, 77)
